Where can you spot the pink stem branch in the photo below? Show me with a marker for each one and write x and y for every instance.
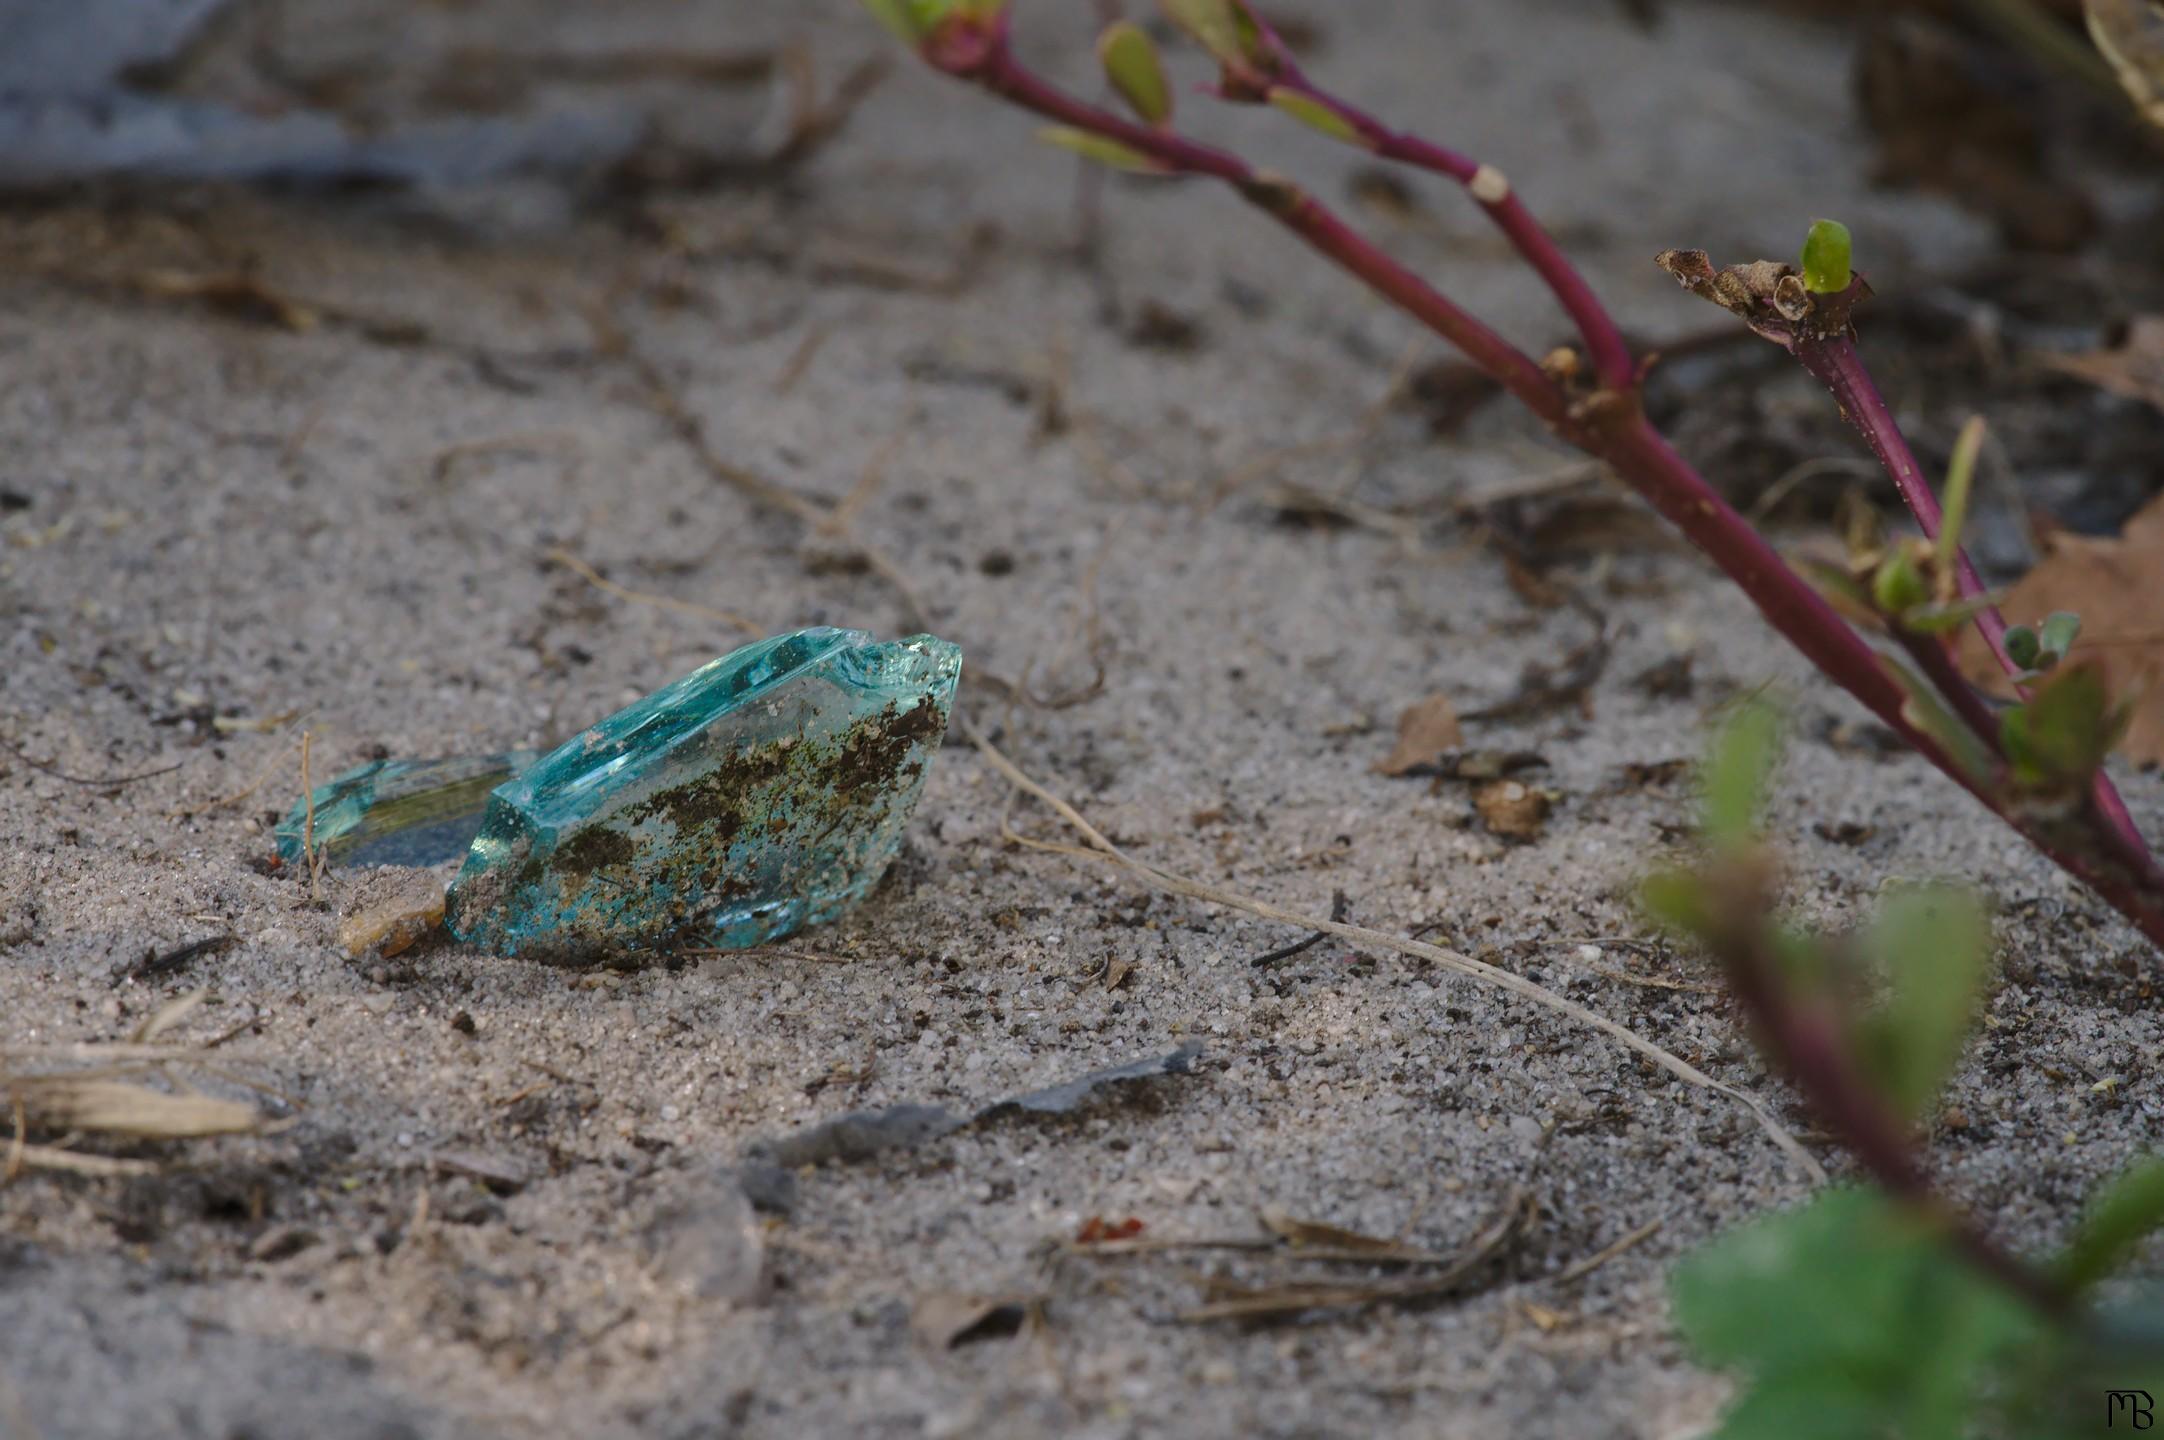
(1611, 353)
(1810, 1043)
(993, 66)
(1837, 365)
(1616, 433)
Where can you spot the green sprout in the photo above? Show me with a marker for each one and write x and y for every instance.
(1826, 252)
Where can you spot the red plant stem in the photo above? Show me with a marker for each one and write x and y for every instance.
(1617, 434)
(1611, 353)
(994, 67)
(1936, 663)
(1809, 1041)
(1837, 365)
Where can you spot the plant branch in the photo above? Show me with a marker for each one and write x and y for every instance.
(1606, 424)
(1809, 1041)
(983, 57)
(1492, 190)
(1834, 361)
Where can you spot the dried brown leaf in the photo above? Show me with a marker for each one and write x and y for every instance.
(1427, 731)
(2116, 586)
(1512, 809)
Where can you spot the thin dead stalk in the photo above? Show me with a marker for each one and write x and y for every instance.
(1102, 849)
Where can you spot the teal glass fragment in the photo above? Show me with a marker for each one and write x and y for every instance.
(763, 792)
(400, 812)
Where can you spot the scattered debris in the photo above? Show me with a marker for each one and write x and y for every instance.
(1542, 687)
(2133, 368)
(503, 1176)
(1847, 832)
(1172, 883)
(1670, 679)
(1427, 730)
(1157, 326)
(1481, 764)
(1097, 1230)
(1340, 908)
(1229, 1301)
(861, 1134)
(282, 1242)
(1314, 1238)
(96, 1089)
(1513, 810)
(1653, 774)
(157, 963)
(943, 1319)
(238, 294)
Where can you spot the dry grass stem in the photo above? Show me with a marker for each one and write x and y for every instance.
(601, 582)
(1102, 849)
(308, 819)
(101, 1091)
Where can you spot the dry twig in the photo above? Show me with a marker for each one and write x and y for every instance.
(1102, 849)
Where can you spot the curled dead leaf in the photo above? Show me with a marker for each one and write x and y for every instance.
(1513, 810)
(1427, 730)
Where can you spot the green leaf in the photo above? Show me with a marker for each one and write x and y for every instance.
(1734, 777)
(913, 20)
(1215, 25)
(1316, 115)
(1836, 584)
(1940, 619)
(1826, 252)
(2022, 646)
(1924, 708)
(1849, 1307)
(2120, 1216)
(1676, 899)
(1131, 64)
(1960, 479)
(1899, 586)
(2058, 633)
(2062, 735)
(1933, 946)
(1096, 147)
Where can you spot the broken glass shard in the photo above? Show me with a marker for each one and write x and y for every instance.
(400, 812)
(763, 792)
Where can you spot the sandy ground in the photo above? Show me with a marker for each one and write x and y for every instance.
(214, 519)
